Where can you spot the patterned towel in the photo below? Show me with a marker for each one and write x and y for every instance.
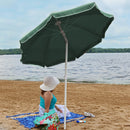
(27, 119)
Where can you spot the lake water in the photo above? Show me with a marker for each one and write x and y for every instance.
(113, 68)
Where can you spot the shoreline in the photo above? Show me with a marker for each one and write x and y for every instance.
(108, 102)
(62, 81)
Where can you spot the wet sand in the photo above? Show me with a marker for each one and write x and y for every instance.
(109, 103)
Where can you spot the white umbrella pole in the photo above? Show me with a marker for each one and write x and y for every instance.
(66, 60)
(65, 99)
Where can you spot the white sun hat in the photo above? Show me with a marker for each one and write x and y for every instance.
(49, 83)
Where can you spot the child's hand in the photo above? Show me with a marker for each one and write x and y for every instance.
(60, 111)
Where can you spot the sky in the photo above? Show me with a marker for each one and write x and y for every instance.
(19, 17)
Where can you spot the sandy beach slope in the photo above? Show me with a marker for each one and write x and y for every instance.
(109, 103)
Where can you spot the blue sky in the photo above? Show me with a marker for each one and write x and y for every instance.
(18, 17)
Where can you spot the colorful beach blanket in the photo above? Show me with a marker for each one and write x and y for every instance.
(27, 119)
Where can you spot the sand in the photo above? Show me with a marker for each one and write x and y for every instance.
(108, 102)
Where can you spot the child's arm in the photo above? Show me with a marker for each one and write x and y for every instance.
(57, 108)
(47, 98)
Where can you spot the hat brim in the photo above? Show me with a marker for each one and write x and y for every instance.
(46, 88)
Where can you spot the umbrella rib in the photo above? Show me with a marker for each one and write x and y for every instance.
(52, 34)
(45, 53)
(69, 26)
(86, 29)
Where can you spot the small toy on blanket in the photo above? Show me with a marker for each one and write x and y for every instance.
(88, 114)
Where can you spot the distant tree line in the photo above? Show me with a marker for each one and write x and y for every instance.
(108, 50)
(10, 51)
(92, 50)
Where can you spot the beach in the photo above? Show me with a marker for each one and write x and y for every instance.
(109, 103)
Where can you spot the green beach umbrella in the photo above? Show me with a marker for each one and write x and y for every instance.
(65, 36)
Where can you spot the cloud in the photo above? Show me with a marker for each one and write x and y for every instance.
(118, 7)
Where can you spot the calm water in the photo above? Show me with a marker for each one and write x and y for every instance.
(91, 67)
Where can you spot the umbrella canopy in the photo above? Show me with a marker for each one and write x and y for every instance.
(84, 27)
(65, 36)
